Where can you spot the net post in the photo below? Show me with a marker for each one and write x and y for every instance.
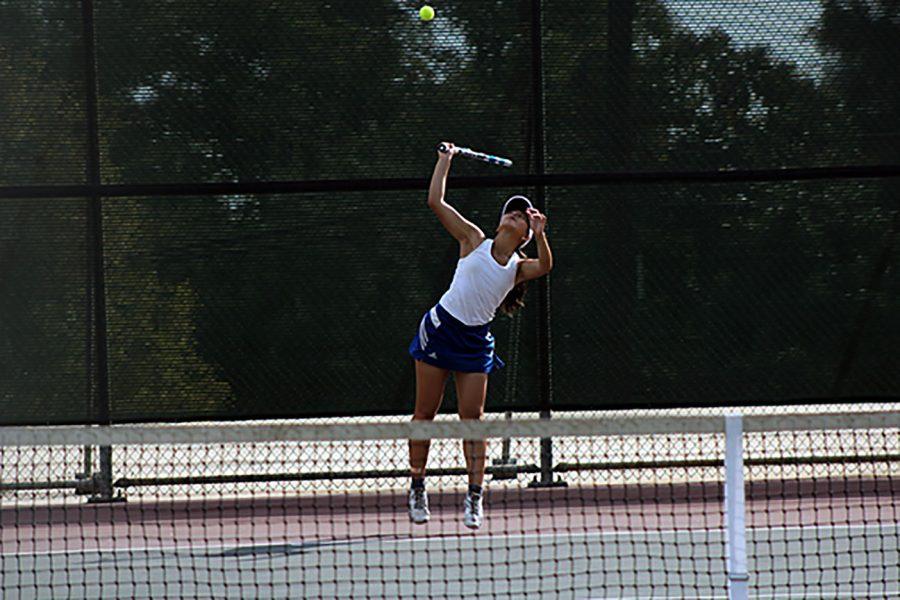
(505, 467)
(86, 474)
(735, 530)
(103, 481)
(545, 479)
(506, 444)
(87, 463)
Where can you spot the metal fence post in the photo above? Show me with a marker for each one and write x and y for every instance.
(545, 388)
(102, 481)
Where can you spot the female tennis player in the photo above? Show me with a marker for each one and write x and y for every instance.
(454, 335)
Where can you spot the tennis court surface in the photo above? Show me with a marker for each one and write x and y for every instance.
(236, 512)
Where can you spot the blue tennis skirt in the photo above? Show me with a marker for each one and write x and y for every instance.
(446, 342)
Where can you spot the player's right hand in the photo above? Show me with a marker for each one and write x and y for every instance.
(448, 155)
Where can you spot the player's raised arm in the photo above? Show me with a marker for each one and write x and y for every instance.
(467, 233)
(531, 268)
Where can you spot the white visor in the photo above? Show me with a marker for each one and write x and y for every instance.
(522, 203)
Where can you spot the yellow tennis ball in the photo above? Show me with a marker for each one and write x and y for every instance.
(426, 13)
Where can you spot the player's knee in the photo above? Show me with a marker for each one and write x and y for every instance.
(471, 414)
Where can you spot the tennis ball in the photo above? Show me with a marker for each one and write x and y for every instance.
(426, 13)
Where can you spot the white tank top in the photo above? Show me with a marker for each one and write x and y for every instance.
(479, 285)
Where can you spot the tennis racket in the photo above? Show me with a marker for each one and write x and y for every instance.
(469, 153)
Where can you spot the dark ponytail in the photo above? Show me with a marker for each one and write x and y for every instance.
(515, 299)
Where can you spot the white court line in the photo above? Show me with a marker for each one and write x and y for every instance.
(638, 534)
(788, 596)
(460, 536)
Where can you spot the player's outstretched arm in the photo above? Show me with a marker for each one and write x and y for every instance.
(467, 233)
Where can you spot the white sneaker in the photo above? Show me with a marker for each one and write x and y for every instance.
(418, 506)
(474, 512)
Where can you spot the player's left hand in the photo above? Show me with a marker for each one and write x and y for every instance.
(538, 221)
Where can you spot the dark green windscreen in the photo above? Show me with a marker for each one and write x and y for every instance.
(285, 305)
(724, 294)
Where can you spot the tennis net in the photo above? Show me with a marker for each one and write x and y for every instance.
(635, 507)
